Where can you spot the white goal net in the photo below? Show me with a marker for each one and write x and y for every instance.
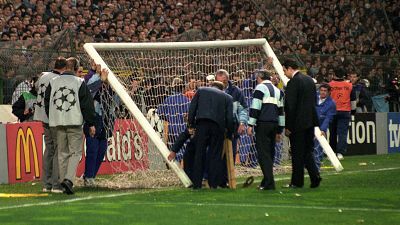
(151, 85)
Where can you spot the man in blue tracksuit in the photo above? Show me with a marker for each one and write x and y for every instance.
(96, 146)
(240, 108)
(326, 109)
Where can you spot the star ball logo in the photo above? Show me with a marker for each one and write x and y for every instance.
(40, 96)
(64, 99)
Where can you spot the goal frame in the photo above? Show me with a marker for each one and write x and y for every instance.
(90, 48)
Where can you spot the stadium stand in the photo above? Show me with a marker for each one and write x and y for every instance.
(323, 35)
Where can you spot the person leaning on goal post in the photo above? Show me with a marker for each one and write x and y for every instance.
(96, 145)
(211, 112)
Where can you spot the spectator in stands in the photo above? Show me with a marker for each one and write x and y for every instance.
(393, 89)
(24, 86)
(363, 98)
(151, 97)
(276, 81)
(190, 89)
(173, 109)
(80, 73)
(240, 108)
(210, 78)
(136, 91)
(24, 107)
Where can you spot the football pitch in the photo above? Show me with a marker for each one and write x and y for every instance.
(366, 192)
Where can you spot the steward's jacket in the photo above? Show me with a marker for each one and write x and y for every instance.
(68, 101)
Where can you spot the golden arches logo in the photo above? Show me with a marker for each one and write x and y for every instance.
(26, 139)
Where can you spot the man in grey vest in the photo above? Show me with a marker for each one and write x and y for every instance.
(50, 156)
(68, 104)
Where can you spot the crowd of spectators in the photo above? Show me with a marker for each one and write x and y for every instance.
(307, 26)
(326, 33)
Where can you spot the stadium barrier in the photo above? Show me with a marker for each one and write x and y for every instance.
(21, 155)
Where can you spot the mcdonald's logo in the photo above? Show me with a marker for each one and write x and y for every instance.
(26, 139)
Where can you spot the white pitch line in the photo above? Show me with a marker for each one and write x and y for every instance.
(62, 201)
(244, 205)
(335, 173)
(262, 206)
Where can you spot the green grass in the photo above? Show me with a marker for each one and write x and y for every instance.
(361, 194)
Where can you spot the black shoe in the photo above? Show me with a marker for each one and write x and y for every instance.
(67, 185)
(291, 186)
(248, 182)
(316, 183)
(223, 186)
(194, 188)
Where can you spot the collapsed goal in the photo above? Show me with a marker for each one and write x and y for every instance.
(151, 85)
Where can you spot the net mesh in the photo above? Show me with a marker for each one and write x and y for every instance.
(161, 83)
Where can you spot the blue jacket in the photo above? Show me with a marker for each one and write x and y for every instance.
(173, 109)
(240, 108)
(325, 111)
(212, 104)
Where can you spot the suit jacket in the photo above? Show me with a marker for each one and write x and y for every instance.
(300, 102)
(212, 104)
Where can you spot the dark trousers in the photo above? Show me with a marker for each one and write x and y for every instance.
(95, 151)
(188, 155)
(96, 148)
(265, 145)
(188, 159)
(339, 129)
(50, 159)
(208, 134)
(302, 143)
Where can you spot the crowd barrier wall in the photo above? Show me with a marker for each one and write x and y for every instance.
(22, 146)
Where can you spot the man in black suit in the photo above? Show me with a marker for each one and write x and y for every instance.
(211, 112)
(300, 120)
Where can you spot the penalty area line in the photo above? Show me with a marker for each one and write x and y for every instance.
(244, 205)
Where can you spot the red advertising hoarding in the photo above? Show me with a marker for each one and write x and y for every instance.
(24, 151)
(127, 150)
